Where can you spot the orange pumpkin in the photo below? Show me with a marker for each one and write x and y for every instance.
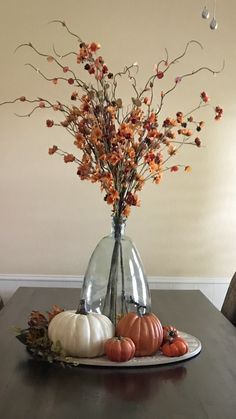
(169, 333)
(119, 349)
(145, 330)
(176, 347)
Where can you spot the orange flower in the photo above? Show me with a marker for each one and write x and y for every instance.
(96, 134)
(149, 157)
(126, 130)
(80, 141)
(103, 157)
(171, 150)
(219, 112)
(112, 111)
(197, 142)
(95, 177)
(152, 133)
(180, 117)
(69, 158)
(186, 132)
(131, 153)
(166, 141)
(106, 181)
(113, 159)
(168, 122)
(136, 116)
(83, 53)
(132, 199)
(56, 107)
(140, 183)
(171, 134)
(153, 167)
(137, 201)
(126, 211)
(83, 171)
(159, 158)
(157, 179)
(94, 46)
(174, 168)
(204, 97)
(152, 118)
(188, 169)
(49, 123)
(53, 150)
(112, 197)
(147, 101)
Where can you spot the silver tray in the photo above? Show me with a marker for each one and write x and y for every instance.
(194, 345)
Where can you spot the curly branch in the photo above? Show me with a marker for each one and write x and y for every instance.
(120, 73)
(184, 52)
(63, 23)
(64, 55)
(184, 76)
(204, 68)
(30, 45)
(10, 101)
(31, 112)
(165, 62)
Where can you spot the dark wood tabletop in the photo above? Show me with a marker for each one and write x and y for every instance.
(203, 387)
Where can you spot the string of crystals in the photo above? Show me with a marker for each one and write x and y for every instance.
(206, 15)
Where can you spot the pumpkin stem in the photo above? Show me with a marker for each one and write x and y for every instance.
(139, 306)
(82, 309)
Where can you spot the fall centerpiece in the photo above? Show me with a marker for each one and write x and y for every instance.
(120, 147)
(79, 337)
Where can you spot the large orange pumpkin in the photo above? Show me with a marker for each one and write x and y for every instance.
(145, 330)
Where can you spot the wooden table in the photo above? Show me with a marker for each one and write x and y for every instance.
(203, 387)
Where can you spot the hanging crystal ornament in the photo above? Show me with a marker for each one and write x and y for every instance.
(214, 23)
(205, 13)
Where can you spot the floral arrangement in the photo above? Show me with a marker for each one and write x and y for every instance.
(118, 147)
(67, 336)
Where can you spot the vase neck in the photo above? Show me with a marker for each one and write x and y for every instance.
(118, 227)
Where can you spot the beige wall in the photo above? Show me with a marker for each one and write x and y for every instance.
(49, 220)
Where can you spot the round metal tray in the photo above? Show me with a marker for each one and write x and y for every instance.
(194, 345)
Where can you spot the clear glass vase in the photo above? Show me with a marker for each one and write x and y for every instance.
(115, 277)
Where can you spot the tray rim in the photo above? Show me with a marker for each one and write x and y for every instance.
(158, 359)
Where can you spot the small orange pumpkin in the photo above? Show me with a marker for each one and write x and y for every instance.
(176, 347)
(145, 330)
(119, 349)
(169, 333)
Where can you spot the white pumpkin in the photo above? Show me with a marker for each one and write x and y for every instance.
(81, 335)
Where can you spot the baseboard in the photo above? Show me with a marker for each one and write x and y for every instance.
(213, 288)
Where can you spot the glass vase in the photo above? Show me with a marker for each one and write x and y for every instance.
(115, 278)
